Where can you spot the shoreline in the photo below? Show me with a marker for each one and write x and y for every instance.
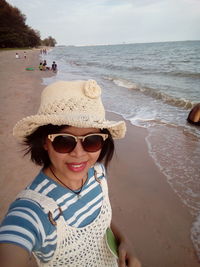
(156, 222)
(150, 213)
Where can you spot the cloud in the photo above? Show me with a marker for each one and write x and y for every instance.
(113, 21)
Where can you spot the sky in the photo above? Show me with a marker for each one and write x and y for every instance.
(98, 22)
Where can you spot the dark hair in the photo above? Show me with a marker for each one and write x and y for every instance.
(35, 145)
(194, 115)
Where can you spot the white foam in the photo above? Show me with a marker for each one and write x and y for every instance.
(195, 235)
(125, 83)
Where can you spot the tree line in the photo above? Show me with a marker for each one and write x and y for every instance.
(14, 32)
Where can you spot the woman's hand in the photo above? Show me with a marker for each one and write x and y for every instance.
(126, 258)
(125, 250)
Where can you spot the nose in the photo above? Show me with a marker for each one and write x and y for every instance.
(78, 150)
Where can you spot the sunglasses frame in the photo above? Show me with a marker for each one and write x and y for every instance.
(51, 137)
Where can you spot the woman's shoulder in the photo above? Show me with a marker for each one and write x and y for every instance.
(26, 225)
(39, 182)
(47, 187)
(36, 199)
(27, 206)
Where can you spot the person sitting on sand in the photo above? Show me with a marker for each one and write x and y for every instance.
(41, 66)
(54, 66)
(17, 56)
(44, 65)
(194, 115)
(64, 217)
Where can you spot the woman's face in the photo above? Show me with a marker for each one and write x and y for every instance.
(74, 165)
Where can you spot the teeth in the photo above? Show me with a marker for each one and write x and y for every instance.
(77, 166)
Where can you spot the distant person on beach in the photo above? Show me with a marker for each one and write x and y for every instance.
(24, 54)
(17, 56)
(41, 66)
(44, 65)
(64, 217)
(194, 115)
(54, 66)
(44, 51)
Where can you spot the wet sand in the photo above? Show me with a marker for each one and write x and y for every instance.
(144, 205)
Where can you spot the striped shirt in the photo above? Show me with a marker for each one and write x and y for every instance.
(27, 224)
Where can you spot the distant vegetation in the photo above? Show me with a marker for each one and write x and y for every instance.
(14, 32)
(48, 41)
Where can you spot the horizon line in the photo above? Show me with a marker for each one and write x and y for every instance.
(126, 43)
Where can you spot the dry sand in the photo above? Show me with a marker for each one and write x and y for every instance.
(19, 97)
(145, 207)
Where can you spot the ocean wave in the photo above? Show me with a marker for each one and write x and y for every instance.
(107, 66)
(194, 75)
(151, 92)
(126, 67)
(139, 69)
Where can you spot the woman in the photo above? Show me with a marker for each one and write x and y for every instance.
(63, 217)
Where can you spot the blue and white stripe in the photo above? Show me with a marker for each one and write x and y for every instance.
(27, 225)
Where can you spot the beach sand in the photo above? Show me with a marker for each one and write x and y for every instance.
(19, 97)
(145, 207)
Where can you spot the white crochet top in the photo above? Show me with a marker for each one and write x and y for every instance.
(79, 247)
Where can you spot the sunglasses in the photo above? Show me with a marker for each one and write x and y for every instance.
(65, 143)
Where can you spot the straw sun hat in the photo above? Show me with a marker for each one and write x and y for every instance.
(74, 103)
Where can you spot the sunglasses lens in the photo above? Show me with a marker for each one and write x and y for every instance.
(93, 143)
(64, 144)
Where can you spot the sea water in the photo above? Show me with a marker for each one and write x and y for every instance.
(152, 85)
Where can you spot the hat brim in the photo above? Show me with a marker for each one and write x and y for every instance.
(29, 124)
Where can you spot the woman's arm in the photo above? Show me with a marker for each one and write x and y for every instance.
(125, 250)
(15, 256)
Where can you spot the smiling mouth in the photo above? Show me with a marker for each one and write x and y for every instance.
(77, 166)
